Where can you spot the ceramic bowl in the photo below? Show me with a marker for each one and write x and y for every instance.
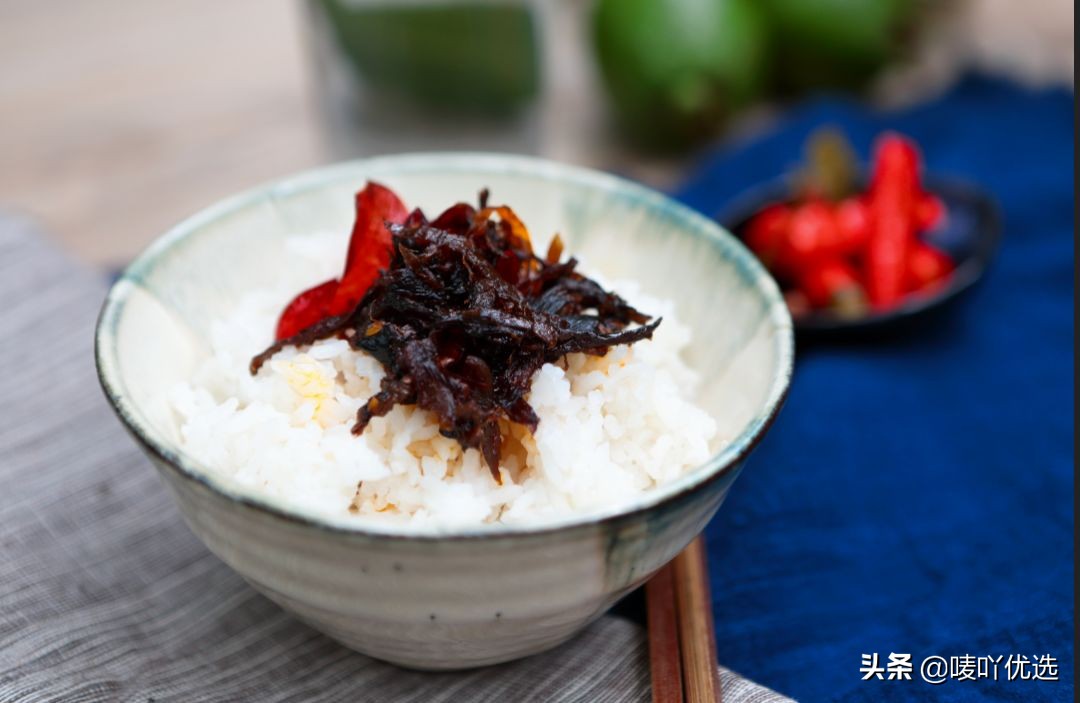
(463, 598)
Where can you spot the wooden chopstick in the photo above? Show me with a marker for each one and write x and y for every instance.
(663, 624)
(697, 638)
(689, 612)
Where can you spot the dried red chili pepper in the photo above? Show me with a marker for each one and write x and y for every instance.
(456, 218)
(766, 231)
(852, 226)
(869, 241)
(927, 266)
(833, 285)
(370, 245)
(306, 309)
(894, 190)
(416, 218)
(811, 237)
(369, 253)
(929, 212)
(791, 238)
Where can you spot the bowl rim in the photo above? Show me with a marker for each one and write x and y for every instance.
(719, 464)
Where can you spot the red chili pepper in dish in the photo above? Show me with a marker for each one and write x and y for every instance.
(833, 285)
(818, 231)
(929, 212)
(894, 190)
(811, 236)
(926, 266)
(861, 250)
(852, 225)
(766, 231)
(369, 253)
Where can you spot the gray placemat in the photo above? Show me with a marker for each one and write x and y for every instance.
(104, 593)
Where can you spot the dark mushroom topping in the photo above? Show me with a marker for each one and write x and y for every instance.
(464, 316)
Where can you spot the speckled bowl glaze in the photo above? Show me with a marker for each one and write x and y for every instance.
(463, 598)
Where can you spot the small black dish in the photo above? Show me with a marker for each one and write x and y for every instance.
(970, 235)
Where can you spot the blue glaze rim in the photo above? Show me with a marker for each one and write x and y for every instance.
(668, 495)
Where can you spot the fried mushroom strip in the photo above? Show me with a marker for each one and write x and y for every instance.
(465, 316)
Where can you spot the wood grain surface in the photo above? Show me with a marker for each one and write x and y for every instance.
(120, 117)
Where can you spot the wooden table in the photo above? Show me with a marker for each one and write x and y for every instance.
(120, 117)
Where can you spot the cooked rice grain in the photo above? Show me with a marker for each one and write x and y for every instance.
(610, 428)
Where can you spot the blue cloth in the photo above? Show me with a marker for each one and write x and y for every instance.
(916, 493)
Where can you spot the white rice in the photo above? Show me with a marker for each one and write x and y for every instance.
(610, 427)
